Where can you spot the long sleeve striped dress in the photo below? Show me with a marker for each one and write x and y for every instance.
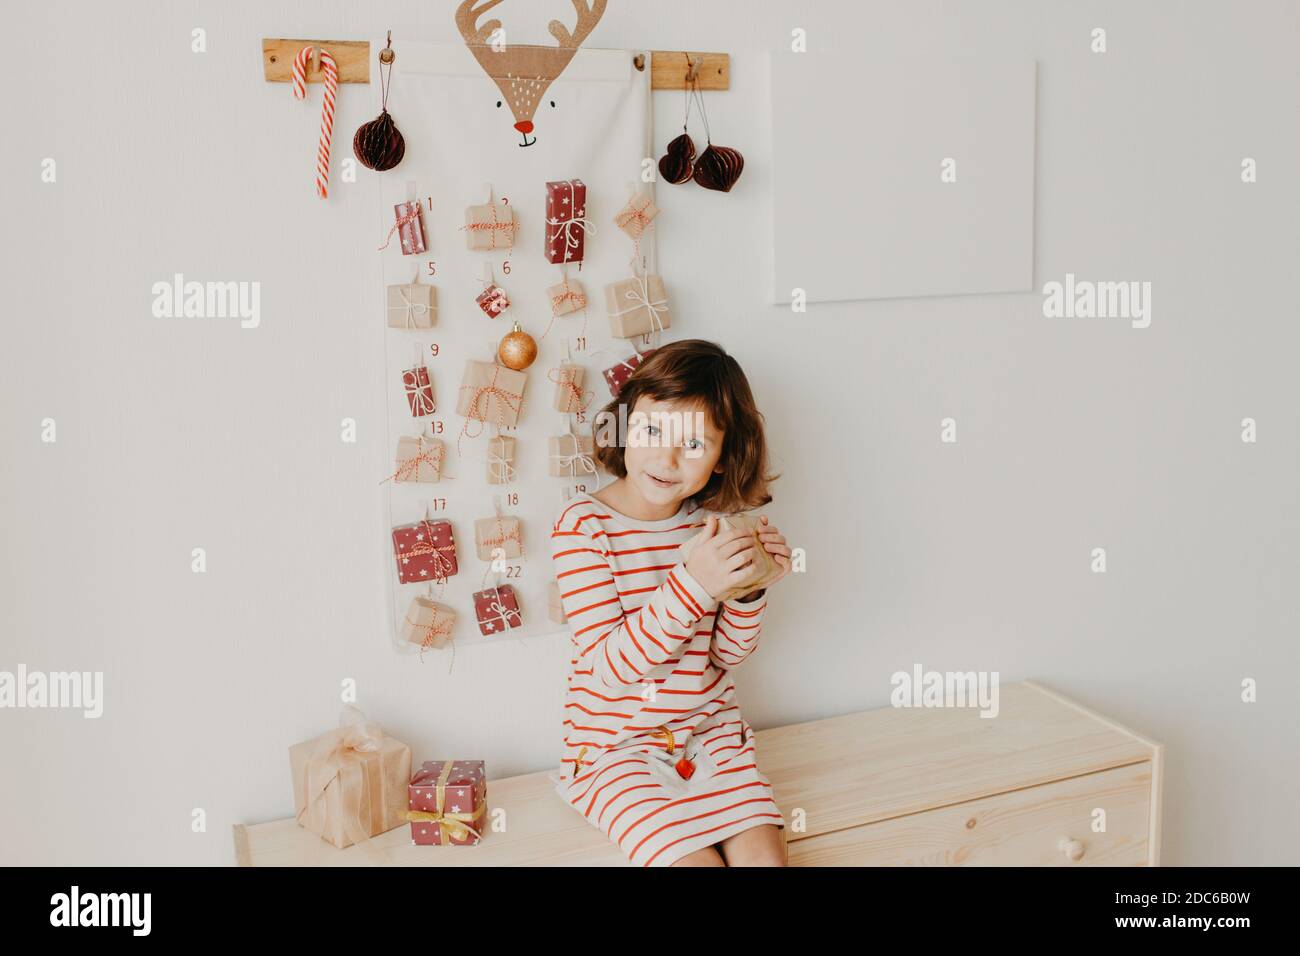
(652, 653)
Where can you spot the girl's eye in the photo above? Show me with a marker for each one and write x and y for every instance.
(698, 443)
(652, 429)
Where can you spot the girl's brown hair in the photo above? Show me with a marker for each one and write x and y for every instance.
(694, 370)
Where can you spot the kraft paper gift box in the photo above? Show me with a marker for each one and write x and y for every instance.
(571, 456)
(409, 226)
(419, 459)
(501, 460)
(637, 305)
(413, 305)
(635, 217)
(448, 803)
(424, 551)
(493, 301)
(490, 226)
(764, 569)
(569, 395)
(617, 376)
(567, 296)
(428, 623)
(500, 531)
(555, 604)
(491, 393)
(351, 783)
(497, 610)
(419, 391)
(566, 220)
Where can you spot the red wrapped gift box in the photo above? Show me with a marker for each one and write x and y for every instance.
(448, 803)
(617, 376)
(493, 301)
(409, 226)
(419, 391)
(497, 610)
(566, 220)
(424, 551)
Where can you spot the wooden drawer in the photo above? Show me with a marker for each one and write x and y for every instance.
(1018, 828)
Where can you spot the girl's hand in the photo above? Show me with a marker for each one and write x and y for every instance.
(720, 559)
(774, 543)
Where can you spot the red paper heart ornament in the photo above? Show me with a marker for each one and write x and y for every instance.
(677, 162)
(719, 167)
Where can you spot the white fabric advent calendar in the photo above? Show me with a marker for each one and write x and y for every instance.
(593, 124)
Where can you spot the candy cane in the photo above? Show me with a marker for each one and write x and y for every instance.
(327, 111)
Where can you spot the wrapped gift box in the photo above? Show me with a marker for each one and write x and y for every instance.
(419, 391)
(425, 551)
(493, 301)
(569, 395)
(571, 456)
(764, 569)
(617, 376)
(490, 226)
(412, 306)
(497, 610)
(500, 531)
(637, 305)
(350, 784)
(555, 604)
(567, 296)
(448, 803)
(491, 393)
(635, 217)
(419, 458)
(409, 226)
(501, 460)
(566, 222)
(428, 623)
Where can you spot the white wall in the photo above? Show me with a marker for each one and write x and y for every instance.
(1073, 434)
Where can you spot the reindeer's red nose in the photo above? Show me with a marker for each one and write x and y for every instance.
(524, 126)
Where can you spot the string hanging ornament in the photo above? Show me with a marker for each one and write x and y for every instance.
(717, 168)
(379, 144)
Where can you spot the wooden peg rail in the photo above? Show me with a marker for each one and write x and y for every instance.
(668, 68)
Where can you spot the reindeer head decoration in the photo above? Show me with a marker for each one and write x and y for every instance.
(523, 73)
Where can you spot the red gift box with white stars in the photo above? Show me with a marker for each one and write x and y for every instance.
(462, 814)
(497, 610)
(424, 551)
(566, 220)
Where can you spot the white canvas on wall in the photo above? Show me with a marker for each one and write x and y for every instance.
(922, 185)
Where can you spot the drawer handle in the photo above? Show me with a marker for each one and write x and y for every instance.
(1072, 849)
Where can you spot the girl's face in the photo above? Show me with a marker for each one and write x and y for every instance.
(672, 449)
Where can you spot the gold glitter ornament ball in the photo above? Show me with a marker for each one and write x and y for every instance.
(518, 349)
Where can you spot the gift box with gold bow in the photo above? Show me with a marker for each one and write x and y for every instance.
(448, 803)
(350, 784)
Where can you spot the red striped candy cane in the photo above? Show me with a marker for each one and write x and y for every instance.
(331, 70)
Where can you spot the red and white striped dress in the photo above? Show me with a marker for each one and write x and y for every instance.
(653, 651)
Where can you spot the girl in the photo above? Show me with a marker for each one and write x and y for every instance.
(656, 753)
